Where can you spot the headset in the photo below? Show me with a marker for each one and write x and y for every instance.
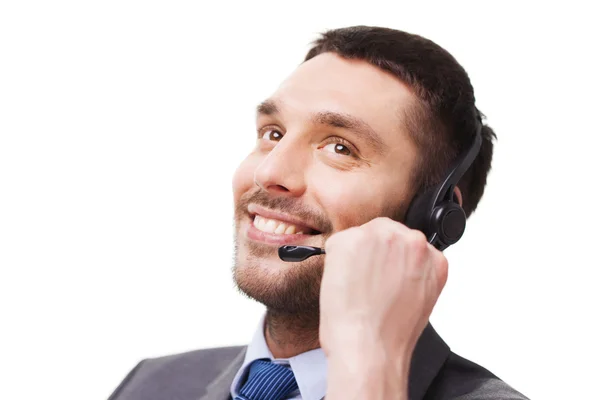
(435, 211)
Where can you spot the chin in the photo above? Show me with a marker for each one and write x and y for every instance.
(279, 285)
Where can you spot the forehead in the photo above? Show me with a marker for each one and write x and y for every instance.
(329, 82)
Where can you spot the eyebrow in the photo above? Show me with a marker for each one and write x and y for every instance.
(335, 120)
(267, 107)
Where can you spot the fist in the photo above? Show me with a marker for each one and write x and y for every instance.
(380, 284)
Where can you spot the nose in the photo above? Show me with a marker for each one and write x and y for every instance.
(282, 171)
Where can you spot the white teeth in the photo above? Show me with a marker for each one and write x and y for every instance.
(299, 233)
(274, 226)
(280, 229)
(270, 226)
(260, 223)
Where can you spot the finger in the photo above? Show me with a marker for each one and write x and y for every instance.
(386, 227)
(442, 269)
(348, 236)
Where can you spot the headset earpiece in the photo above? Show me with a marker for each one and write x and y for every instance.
(443, 224)
(448, 222)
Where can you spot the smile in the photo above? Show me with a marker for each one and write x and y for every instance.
(270, 225)
(276, 228)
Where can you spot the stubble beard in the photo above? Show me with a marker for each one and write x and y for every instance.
(290, 289)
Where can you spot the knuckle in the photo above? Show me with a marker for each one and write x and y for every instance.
(418, 248)
(417, 241)
(384, 229)
(394, 237)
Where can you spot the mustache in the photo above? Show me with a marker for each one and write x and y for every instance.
(285, 205)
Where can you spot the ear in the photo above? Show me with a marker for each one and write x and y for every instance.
(458, 196)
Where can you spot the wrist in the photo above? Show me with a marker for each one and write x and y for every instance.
(357, 348)
(373, 373)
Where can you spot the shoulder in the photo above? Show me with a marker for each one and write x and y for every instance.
(461, 379)
(217, 358)
(188, 372)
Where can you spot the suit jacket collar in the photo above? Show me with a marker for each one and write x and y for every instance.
(429, 356)
(219, 388)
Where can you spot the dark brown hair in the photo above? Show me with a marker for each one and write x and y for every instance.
(443, 120)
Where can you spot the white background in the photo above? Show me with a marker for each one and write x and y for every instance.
(121, 123)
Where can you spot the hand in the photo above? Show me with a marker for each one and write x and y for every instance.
(380, 284)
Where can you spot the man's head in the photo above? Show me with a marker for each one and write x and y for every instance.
(372, 117)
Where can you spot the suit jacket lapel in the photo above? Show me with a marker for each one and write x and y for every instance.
(219, 389)
(429, 356)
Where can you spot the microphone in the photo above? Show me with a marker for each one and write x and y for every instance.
(298, 253)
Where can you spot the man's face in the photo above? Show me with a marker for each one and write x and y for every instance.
(331, 153)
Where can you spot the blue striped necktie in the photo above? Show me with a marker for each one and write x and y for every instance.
(267, 381)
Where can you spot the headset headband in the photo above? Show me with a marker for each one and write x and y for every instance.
(445, 190)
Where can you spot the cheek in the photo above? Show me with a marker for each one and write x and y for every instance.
(350, 200)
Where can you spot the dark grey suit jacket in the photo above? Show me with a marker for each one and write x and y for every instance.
(436, 374)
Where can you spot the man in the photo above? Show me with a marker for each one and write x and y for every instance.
(372, 118)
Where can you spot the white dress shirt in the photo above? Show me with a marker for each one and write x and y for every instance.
(310, 368)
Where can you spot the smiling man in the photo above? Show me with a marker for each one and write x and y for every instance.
(372, 118)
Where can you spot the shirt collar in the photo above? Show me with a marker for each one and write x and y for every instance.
(310, 368)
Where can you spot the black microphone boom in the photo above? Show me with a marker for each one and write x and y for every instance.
(298, 253)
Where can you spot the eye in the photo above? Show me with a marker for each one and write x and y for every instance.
(272, 134)
(340, 146)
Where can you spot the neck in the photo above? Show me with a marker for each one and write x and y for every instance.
(288, 335)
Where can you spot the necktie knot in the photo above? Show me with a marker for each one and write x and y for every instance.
(267, 381)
